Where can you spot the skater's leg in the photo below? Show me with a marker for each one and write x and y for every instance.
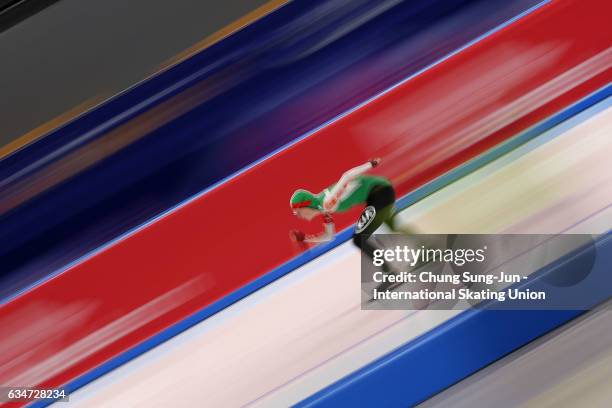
(396, 226)
(383, 199)
(366, 245)
(379, 209)
(368, 222)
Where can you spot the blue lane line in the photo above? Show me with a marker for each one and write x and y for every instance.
(456, 349)
(342, 237)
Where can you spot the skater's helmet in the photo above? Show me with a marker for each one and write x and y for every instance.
(303, 198)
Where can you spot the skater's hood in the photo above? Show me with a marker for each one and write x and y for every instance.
(303, 198)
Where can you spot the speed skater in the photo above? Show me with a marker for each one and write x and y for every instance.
(353, 188)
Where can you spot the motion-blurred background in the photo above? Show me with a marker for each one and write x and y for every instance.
(148, 151)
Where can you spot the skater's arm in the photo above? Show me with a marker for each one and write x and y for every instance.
(327, 235)
(331, 200)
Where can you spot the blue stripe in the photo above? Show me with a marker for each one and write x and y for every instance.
(452, 351)
(342, 237)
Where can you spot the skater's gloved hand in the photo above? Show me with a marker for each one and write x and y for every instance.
(297, 236)
(375, 161)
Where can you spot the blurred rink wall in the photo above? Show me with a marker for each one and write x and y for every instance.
(241, 99)
(168, 171)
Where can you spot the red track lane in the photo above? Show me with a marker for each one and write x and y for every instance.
(239, 231)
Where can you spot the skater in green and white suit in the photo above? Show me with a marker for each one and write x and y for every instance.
(353, 188)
